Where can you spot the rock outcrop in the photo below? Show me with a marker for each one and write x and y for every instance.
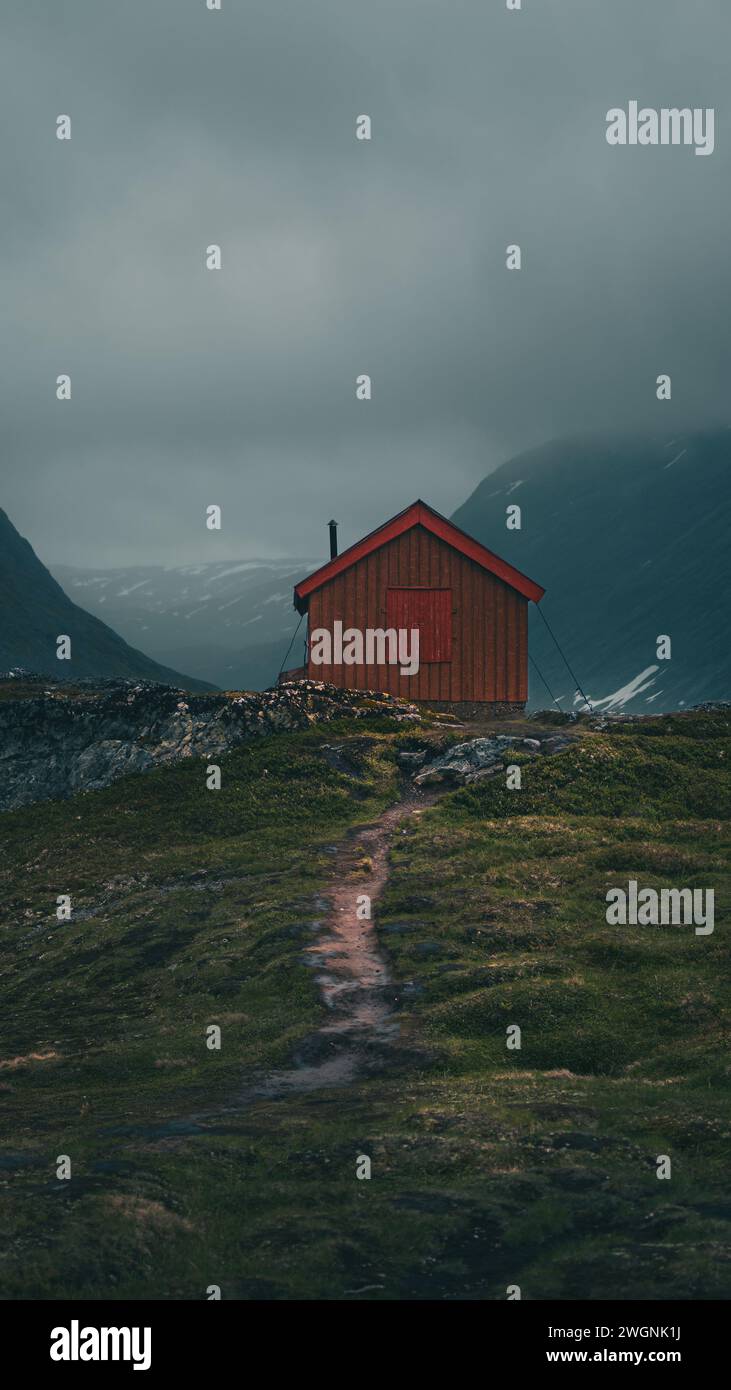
(475, 760)
(69, 739)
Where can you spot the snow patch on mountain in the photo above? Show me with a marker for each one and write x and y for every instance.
(644, 681)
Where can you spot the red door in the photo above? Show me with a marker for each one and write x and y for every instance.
(429, 610)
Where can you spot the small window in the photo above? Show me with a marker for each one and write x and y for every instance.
(429, 610)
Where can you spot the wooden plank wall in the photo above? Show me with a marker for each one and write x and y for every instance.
(490, 649)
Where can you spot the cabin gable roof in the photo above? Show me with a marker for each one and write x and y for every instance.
(418, 514)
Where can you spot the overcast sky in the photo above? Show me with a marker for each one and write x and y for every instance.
(192, 387)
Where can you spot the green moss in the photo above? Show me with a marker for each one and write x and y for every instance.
(611, 775)
(491, 1166)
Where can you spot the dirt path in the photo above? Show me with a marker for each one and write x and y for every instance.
(352, 971)
(361, 1030)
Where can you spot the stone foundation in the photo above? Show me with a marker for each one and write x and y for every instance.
(477, 709)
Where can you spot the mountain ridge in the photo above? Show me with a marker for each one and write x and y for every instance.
(35, 611)
(629, 539)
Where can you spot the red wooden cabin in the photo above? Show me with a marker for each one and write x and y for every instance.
(420, 571)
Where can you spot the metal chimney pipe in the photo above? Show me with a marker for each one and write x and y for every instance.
(333, 538)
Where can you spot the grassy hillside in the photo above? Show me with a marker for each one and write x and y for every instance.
(490, 1167)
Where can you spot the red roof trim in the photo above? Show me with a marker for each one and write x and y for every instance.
(418, 514)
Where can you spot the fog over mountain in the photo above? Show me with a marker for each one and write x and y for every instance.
(387, 256)
(630, 538)
(237, 387)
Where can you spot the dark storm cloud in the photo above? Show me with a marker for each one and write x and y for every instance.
(340, 257)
